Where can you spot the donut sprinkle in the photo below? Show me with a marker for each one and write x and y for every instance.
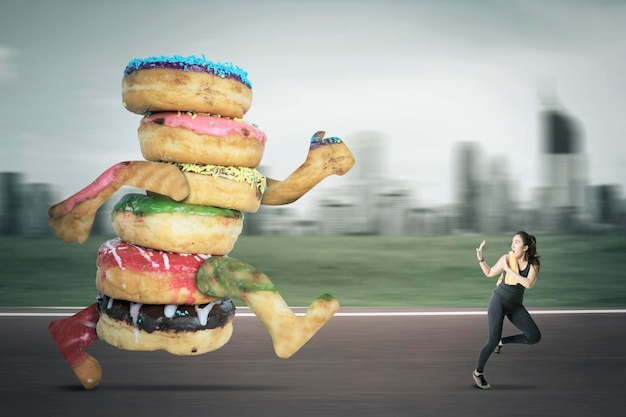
(240, 174)
(189, 63)
(317, 142)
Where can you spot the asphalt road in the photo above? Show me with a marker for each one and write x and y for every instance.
(411, 365)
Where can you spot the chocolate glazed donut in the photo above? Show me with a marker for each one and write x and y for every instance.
(158, 317)
(177, 329)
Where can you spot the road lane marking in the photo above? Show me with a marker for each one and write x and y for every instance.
(348, 314)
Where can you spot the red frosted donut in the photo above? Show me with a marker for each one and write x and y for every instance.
(200, 139)
(189, 83)
(133, 273)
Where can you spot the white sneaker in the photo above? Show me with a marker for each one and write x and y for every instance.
(480, 381)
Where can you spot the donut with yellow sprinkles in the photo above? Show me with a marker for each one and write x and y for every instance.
(238, 188)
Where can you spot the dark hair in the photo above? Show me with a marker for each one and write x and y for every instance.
(531, 253)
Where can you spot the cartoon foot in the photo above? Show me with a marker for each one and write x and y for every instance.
(228, 277)
(72, 336)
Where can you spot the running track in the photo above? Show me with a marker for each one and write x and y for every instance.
(364, 362)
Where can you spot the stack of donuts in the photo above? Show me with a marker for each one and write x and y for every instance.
(166, 281)
(192, 119)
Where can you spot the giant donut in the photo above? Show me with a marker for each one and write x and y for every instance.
(132, 273)
(237, 188)
(177, 329)
(200, 139)
(170, 226)
(157, 84)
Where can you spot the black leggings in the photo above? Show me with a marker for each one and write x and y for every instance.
(518, 315)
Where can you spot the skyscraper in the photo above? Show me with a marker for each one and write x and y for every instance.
(10, 203)
(467, 185)
(496, 199)
(564, 172)
(36, 199)
(394, 205)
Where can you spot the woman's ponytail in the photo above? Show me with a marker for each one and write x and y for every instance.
(531, 254)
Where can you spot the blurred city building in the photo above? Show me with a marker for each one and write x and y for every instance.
(370, 201)
(10, 203)
(36, 199)
(498, 206)
(466, 186)
(24, 208)
(564, 176)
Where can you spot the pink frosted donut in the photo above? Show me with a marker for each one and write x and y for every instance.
(194, 138)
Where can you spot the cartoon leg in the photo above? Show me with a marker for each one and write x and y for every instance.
(327, 156)
(72, 336)
(221, 276)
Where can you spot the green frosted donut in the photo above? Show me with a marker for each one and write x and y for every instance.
(144, 205)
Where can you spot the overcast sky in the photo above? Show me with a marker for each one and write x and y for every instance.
(423, 74)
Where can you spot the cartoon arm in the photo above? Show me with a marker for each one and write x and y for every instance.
(327, 156)
(72, 219)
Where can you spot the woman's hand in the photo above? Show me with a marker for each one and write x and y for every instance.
(479, 251)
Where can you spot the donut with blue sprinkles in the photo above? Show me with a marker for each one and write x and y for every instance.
(189, 63)
(186, 84)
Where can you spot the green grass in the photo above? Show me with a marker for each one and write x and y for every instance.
(441, 271)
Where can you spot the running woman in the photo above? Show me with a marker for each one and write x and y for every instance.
(519, 270)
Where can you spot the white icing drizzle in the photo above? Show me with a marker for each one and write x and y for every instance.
(203, 312)
(147, 257)
(115, 255)
(169, 310)
(134, 313)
